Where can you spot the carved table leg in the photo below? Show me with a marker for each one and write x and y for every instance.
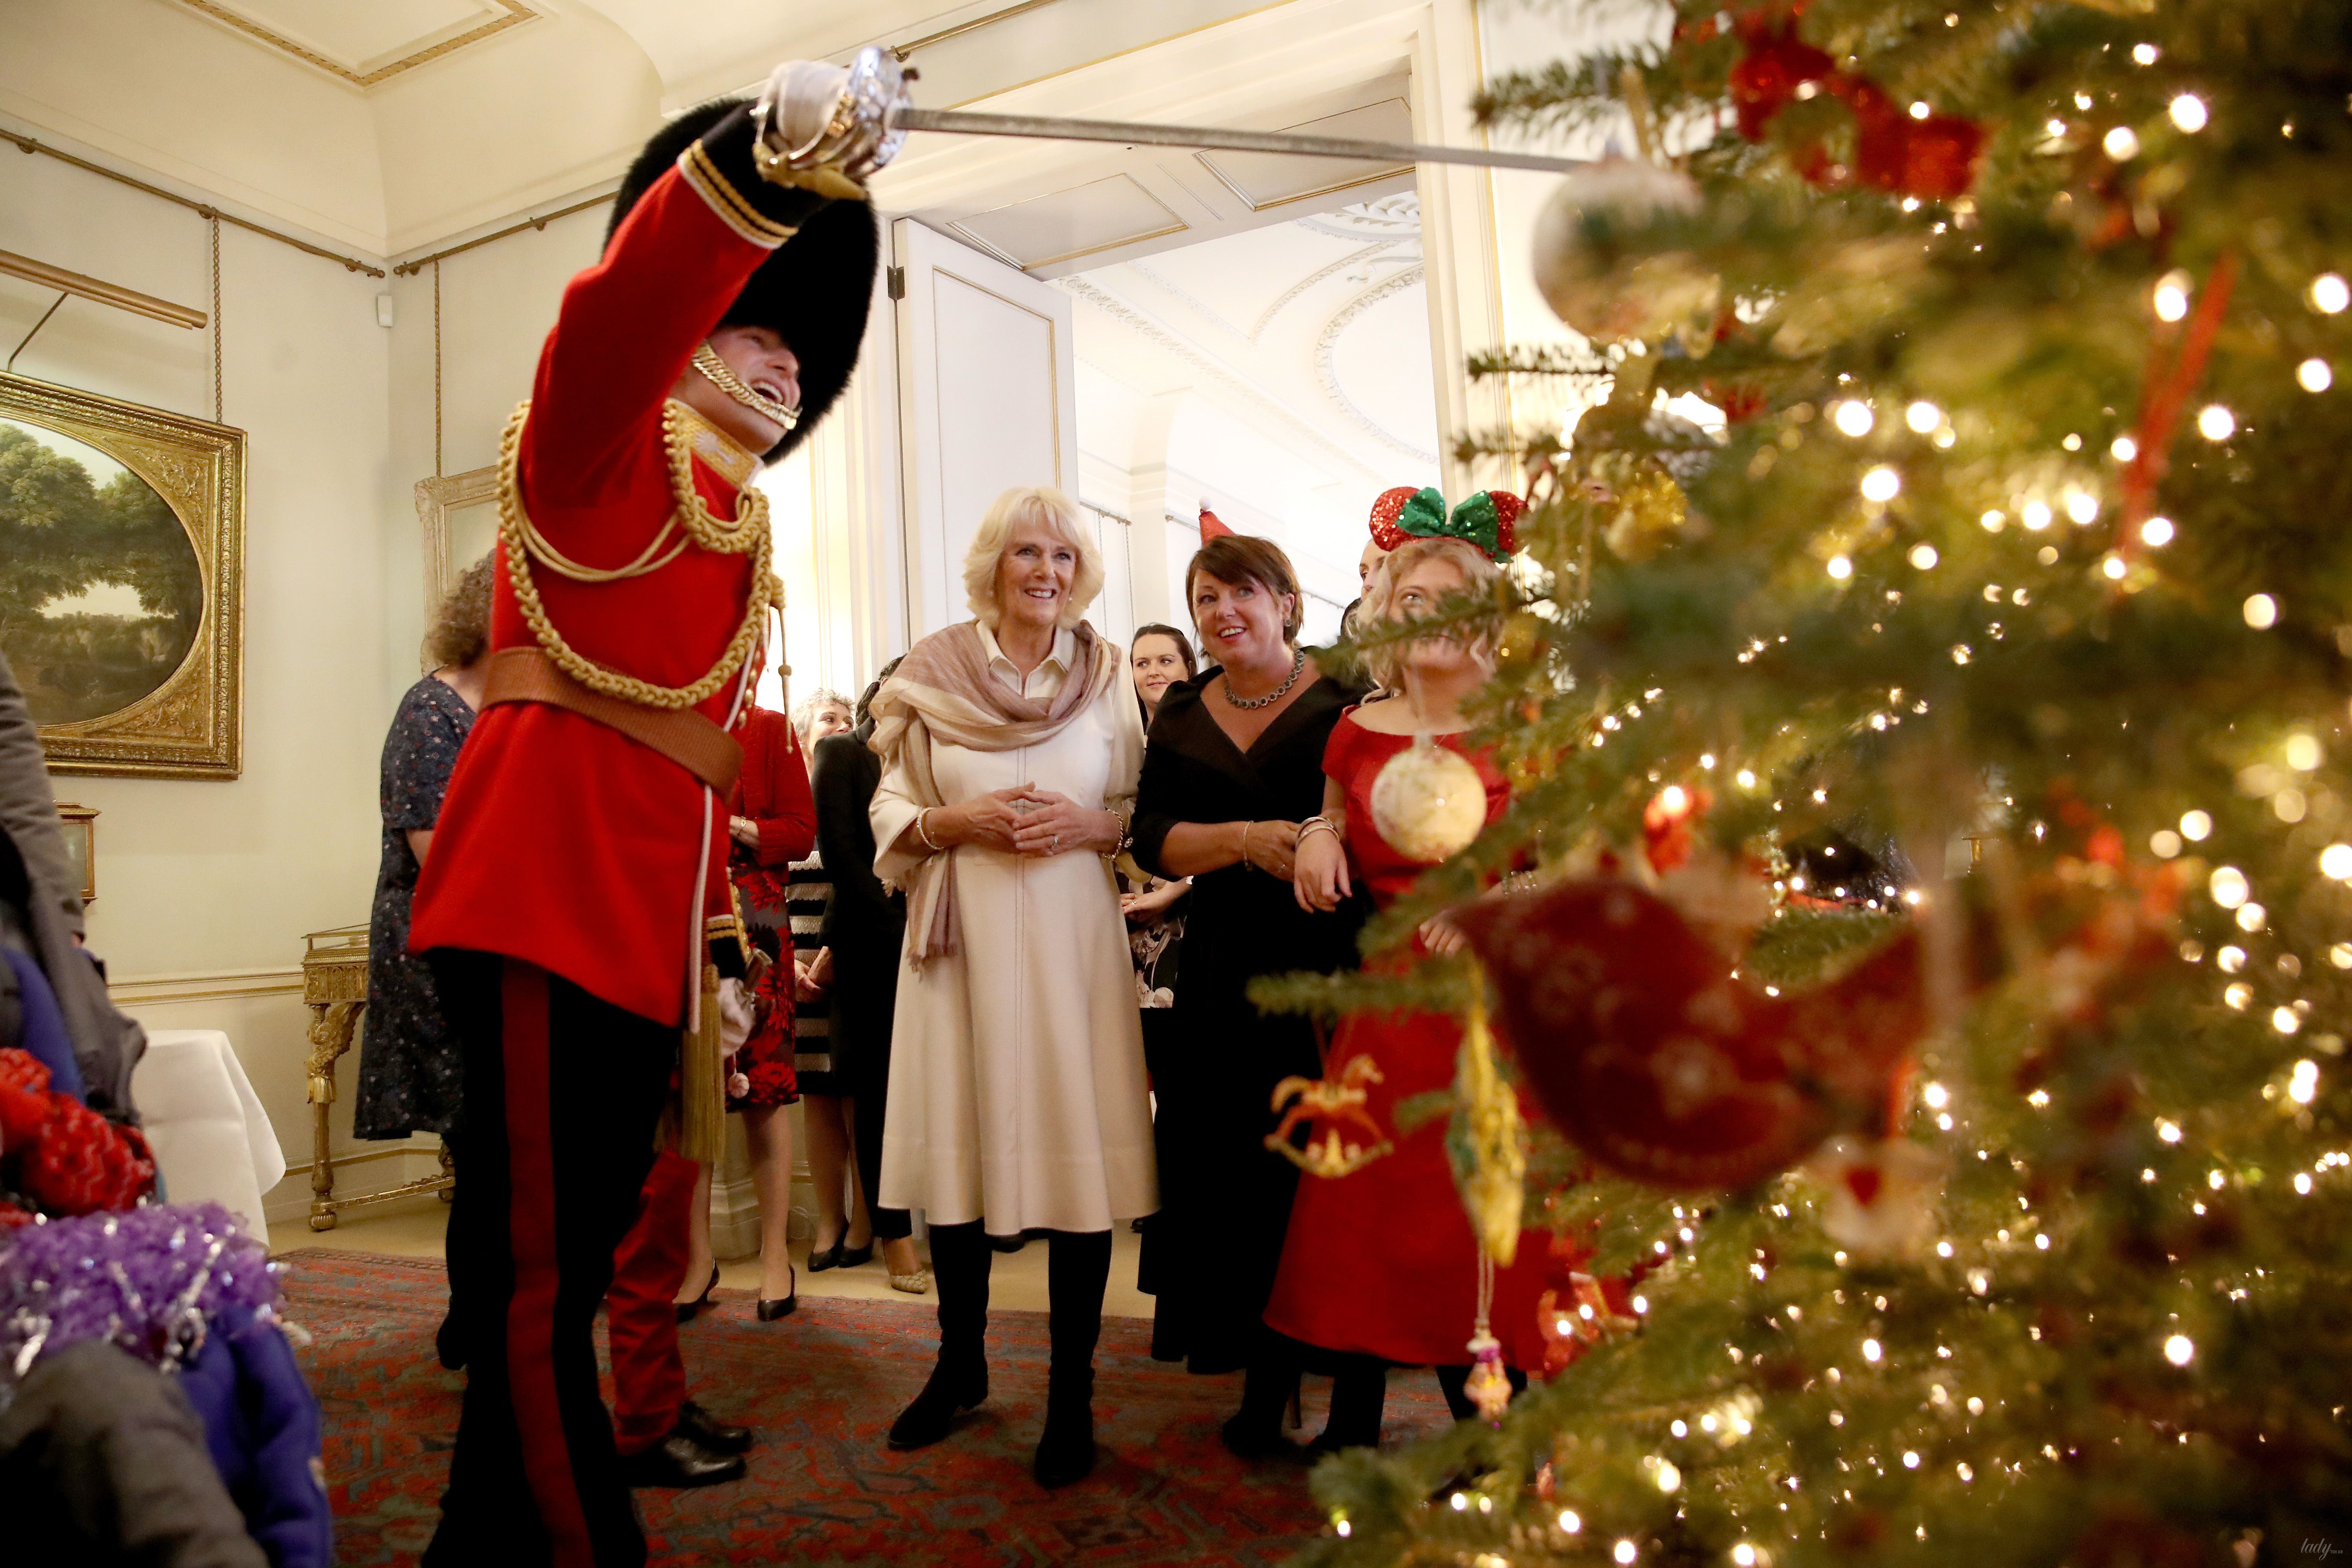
(332, 1029)
(448, 1174)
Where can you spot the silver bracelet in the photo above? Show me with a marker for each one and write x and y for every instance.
(923, 828)
(1324, 823)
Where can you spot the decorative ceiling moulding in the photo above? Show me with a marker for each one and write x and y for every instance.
(1328, 375)
(485, 19)
(1084, 220)
(1396, 215)
(1262, 180)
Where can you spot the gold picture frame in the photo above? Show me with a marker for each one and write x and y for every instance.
(140, 672)
(456, 513)
(79, 826)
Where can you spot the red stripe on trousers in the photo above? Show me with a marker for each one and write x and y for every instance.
(640, 1310)
(531, 1230)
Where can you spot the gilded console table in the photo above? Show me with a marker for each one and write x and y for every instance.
(334, 987)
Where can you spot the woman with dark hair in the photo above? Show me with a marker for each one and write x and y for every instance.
(1235, 763)
(410, 1076)
(865, 927)
(1152, 656)
(1158, 657)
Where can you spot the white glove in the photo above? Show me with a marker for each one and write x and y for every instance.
(815, 121)
(738, 1015)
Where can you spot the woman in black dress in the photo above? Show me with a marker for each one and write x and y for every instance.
(1235, 765)
(864, 925)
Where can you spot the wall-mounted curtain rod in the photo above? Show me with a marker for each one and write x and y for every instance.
(411, 268)
(105, 293)
(26, 144)
(961, 29)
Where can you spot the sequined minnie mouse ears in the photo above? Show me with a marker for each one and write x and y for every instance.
(1486, 519)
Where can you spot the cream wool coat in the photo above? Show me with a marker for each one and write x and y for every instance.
(1017, 1089)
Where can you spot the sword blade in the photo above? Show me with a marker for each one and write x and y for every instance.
(961, 122)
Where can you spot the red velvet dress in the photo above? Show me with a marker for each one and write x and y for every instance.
(774, 793)
(1382, 1261)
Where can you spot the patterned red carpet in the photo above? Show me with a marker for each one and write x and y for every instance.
(822, 1387)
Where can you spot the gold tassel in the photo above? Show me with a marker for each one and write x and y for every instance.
(1496, 1189)
(702, 1079)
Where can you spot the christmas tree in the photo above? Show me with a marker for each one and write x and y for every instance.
(1930, 999)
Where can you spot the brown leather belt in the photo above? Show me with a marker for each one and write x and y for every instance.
(681, 734)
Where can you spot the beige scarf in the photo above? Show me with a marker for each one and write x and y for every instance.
(944, 692)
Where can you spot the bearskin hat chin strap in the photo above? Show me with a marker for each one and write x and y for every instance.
(715, 370)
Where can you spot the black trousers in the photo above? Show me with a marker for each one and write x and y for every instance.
(870, 1083)
(561, 1095)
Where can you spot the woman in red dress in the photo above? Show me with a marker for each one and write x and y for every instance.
(1379, 1267)
(772, 823)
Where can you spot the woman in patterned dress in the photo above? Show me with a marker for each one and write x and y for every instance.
(771, 821)
(409, 1074)
(828, 1113)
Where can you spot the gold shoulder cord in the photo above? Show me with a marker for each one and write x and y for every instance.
(746, 534)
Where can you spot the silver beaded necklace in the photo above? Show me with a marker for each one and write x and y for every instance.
(1297, 663)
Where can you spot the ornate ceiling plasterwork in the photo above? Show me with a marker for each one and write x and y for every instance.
(1353, 258)
(1393, 217)
(509, 14)
(1328, 378)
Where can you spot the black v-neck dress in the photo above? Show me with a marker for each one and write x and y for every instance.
(1210, 1254)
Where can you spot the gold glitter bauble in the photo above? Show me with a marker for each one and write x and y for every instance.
(1428, 802)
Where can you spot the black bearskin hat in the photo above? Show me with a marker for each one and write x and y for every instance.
(815, 292)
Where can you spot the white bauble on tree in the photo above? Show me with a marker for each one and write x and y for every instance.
(1428, 802)
(1593, 284)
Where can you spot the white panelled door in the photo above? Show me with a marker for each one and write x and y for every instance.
(987, 400)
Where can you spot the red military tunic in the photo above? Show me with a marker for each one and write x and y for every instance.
(563, 842)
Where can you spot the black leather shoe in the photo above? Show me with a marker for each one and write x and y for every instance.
(710, 1433)
(771, 1309)
(677, 1460)
(846, 1256)
(686, 1309)
(954, 1388)
(819, 1260)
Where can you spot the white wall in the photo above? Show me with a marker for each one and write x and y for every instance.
(219, 880)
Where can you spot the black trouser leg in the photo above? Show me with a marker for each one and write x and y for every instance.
(872, 1088)
(960, 1260)
(1359, 1391)
(1452, 1381)
(562, 1091)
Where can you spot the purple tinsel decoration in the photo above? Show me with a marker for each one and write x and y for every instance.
(149, 1279)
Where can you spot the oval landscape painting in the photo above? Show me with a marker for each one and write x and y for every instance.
(101, 597)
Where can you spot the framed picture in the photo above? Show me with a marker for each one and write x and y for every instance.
(458, 515)
(121, 582)
(80, 826)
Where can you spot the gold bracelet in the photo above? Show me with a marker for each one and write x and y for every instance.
(923, 828)
(1246, 854)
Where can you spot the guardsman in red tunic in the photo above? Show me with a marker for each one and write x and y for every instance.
(583, 843)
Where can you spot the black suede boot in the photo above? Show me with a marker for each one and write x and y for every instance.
(960, 1260)
(1269, 1391)
(1359, 1391)
(1076, 1270)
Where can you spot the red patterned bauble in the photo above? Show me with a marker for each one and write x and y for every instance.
(24, 1100)
(1642, 1047)
(1767, 76)
(1507, 508)
(85, 1162)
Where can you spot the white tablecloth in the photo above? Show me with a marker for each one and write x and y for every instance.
(211, 1136)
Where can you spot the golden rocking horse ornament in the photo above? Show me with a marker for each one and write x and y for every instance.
(1341, 1099)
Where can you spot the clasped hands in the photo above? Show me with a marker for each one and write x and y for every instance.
(1027, 820)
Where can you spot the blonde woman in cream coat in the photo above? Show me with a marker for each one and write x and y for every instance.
(1011, 745)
